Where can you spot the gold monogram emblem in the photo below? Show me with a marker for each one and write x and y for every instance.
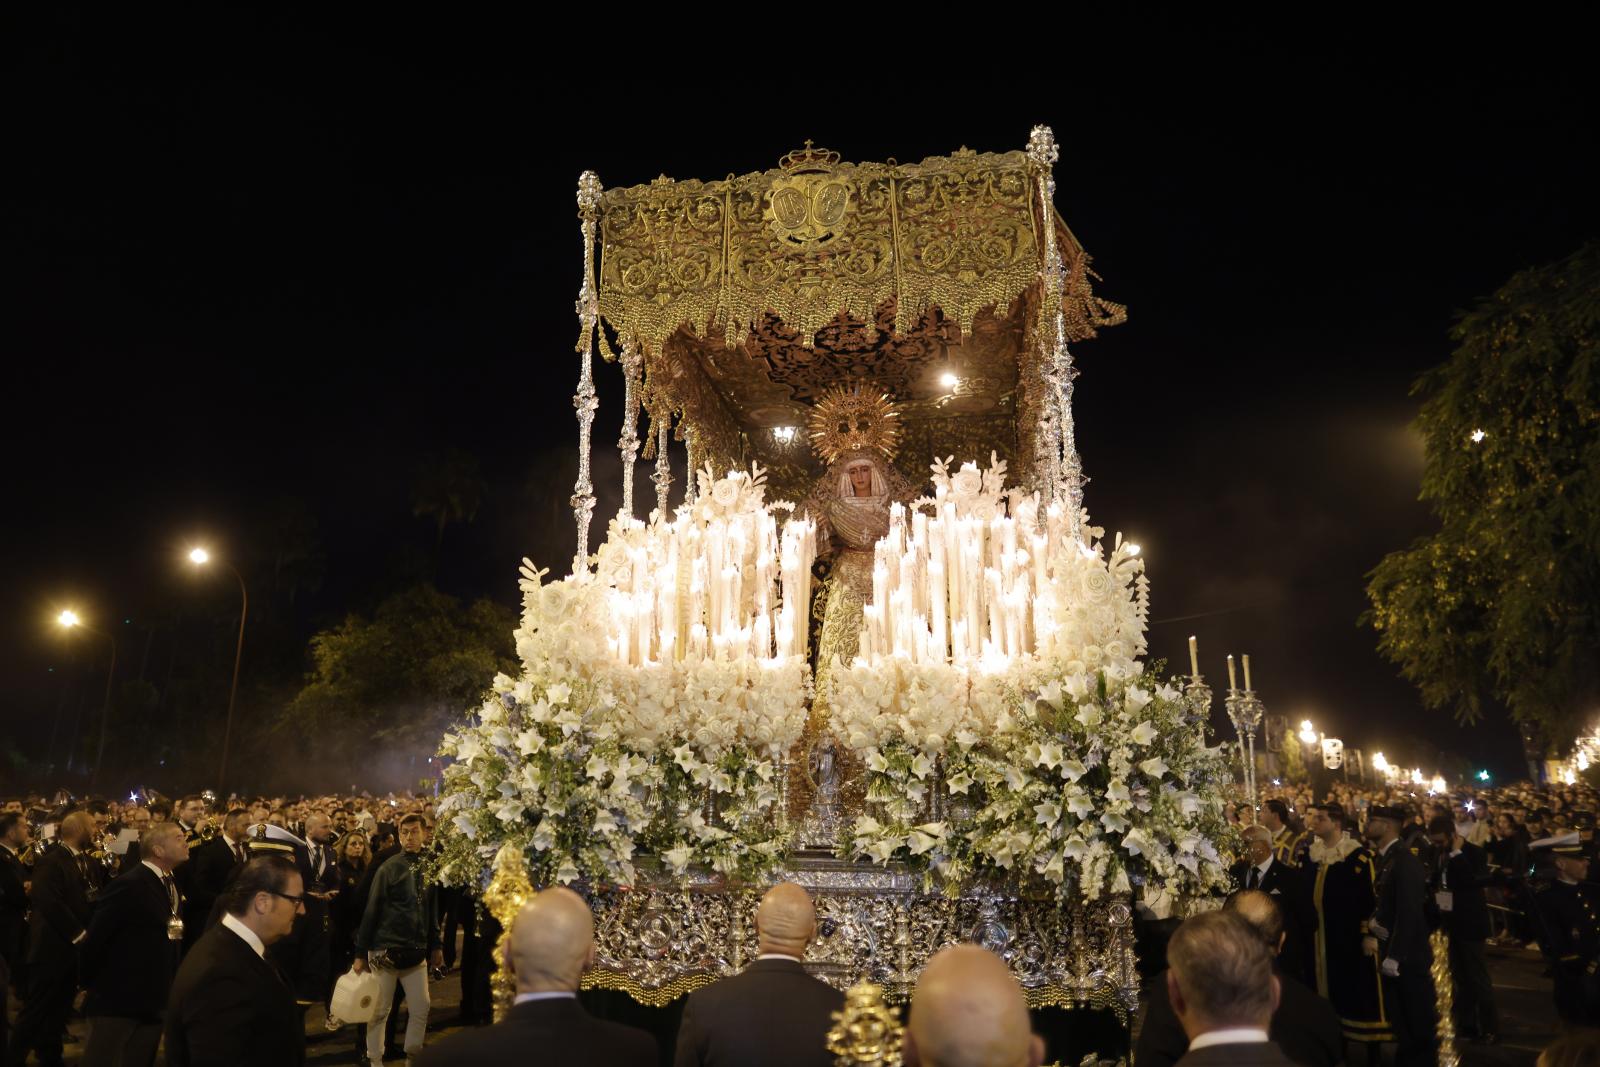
(807, 204)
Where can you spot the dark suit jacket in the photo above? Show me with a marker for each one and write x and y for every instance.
(772, 1013)
(127, 960)
(1401, 889)
(1263, 1054)
(1464, 875)
(229, 1008)
(551, 1033)
(1305, 1028)
(13, 907)
(209, 870)
(1289, 887)
(60, 909)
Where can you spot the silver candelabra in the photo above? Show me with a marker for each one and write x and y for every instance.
(1245, 711)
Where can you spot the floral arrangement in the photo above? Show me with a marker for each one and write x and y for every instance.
(1076, 766)
(585, 760)
(1071, 764)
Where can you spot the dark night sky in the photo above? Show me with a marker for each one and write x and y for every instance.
(251, 258)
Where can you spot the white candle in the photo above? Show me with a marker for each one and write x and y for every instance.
(1194, 657)
(1247, 684)
(1233, 681)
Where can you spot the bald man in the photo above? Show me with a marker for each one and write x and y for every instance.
(58, 925)
(552, 944)
(968, 1011)
(772, 1013)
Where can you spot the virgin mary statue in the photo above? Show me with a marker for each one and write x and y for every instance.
(855, 430)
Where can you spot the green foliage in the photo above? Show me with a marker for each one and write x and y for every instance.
(1500, 604)
(401, 675)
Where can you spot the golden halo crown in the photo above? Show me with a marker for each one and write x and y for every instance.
(854, 418)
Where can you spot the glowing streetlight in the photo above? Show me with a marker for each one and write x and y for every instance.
(199, 556)
(70, 620)
(1380, 763)
(1439, 784)
(1307, 733)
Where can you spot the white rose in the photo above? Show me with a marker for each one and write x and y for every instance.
(967, 481)
(725, 493)
(1095, 585)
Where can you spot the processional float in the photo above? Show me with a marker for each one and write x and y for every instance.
(871, 644)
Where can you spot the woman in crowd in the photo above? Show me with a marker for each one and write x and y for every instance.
(353, 856)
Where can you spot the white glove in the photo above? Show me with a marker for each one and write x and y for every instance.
(1391, 967)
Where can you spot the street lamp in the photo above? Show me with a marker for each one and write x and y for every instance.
(200, 557)
(1307, 733)
(70, 620)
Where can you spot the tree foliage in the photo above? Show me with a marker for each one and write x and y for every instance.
(448, 488)
(400, 675)
(1501, 603)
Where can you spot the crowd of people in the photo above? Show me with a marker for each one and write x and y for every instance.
(214, 927)
(1364, 875)
(120, 900)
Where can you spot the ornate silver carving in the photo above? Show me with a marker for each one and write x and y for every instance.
(659, 939)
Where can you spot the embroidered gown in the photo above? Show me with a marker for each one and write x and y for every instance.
(1342, 893)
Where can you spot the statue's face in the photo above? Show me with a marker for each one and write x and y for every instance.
(861, 479)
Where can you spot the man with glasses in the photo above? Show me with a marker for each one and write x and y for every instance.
(229, 1007)
(399, 938)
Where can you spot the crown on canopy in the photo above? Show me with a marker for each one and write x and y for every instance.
(854, 418)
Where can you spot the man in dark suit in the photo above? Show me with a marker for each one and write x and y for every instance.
(1304, 1025)
(58, 924)
(1223, 992)
(968, 1009)
(1398, 938)
(772, 1012)
(211, 864)
(1262, 869)
(1463, 910)
(229, 1007)
(131, 954)
(552, 944)
(14, 877)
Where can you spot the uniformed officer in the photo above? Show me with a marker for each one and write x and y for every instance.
(1398, 937)
(1570, 913)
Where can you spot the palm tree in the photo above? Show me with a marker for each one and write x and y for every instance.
(448, 488)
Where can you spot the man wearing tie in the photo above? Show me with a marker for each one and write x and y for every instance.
(131, 954)
(1261, 869)
(58, 923)
(211, 864)
(230, 1007)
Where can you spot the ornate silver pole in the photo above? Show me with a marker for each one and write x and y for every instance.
(663, 474)
(1063, 471)
(1197, 694)
(628, 444)
(584, 400)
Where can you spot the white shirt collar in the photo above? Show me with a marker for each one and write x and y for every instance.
(232, 844)
(779, 956)
(157, 871)
(528, 998)
(1237, 1035)
(1263, 865)
(244, 932)
(1384, 851)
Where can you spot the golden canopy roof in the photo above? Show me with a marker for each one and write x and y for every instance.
(741, 300)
